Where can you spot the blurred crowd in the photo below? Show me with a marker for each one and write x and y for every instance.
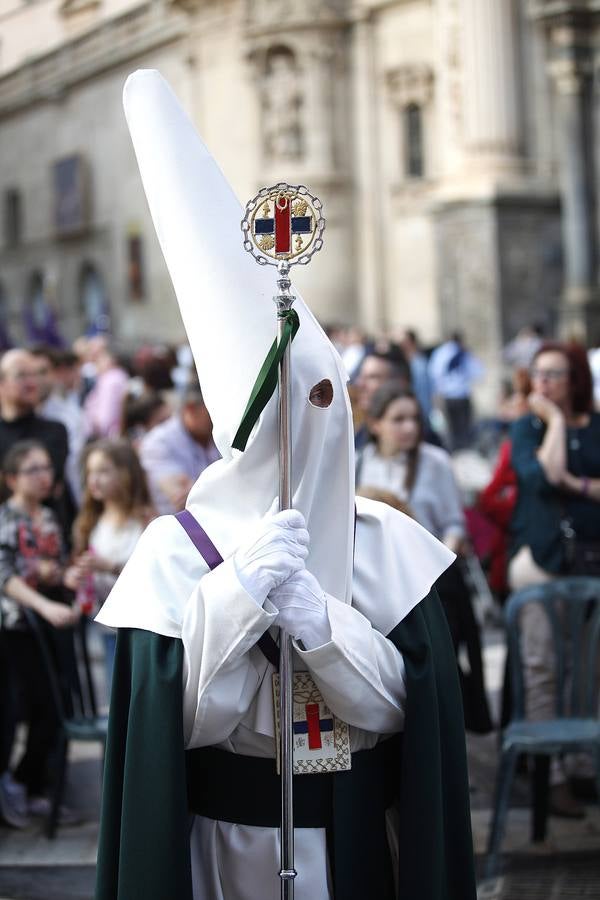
(93, 446)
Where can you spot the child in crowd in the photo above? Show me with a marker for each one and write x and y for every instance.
(114, 512)
(32, 575)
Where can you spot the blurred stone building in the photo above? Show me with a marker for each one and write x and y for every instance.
(452, 143)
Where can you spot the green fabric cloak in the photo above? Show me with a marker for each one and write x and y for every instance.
(144, 847)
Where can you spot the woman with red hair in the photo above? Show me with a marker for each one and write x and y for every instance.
(556, 458)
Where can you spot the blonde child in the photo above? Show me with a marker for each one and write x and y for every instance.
(114, 512)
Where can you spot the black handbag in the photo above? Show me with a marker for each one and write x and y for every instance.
(581, 556)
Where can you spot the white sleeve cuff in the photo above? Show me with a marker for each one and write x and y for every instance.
(230, 609)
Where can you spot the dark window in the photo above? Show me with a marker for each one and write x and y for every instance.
(13, 218)
(414, 165)
(71, 195)
(135, 267)
(5, 341)
(93, 300)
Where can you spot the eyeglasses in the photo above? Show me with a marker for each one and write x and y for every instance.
(36, 470)
(551, 374)
(22, 376)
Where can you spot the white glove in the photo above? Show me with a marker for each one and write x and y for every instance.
(302, 606)
(276, 549)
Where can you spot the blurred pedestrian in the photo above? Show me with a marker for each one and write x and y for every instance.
(19, 421)
(556, 524)
(418, 362)
(520, 351)
(377, 368)
(594, 361)
(352, 347)
(59, 378)
(175, 452)
(141, 414)
(32, 575)
(103, 406)
(515, 402)
(154, 365)
(497, 503)
(453, 370)
(398, 460)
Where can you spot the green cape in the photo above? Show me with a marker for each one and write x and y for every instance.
(144, 835)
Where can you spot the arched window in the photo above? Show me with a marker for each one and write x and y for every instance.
(414, 160)
(135, 265)
(13, 218)
(93, 301)
(38, 315)
(5, 341)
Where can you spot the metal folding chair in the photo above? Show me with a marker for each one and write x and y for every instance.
(573, 608)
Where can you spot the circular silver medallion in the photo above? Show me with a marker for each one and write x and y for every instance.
(283, 223)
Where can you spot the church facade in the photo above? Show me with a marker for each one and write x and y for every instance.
(451, 142)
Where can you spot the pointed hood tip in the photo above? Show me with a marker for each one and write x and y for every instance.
(138, 77)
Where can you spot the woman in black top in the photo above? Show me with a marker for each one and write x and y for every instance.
(556, 457)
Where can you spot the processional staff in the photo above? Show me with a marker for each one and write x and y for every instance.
(283, 226)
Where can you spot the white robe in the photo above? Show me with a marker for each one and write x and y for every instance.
(227, 699)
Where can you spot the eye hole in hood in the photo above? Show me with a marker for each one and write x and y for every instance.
(321, 394)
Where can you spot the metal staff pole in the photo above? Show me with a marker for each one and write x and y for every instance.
(287, 873)
(283, 226)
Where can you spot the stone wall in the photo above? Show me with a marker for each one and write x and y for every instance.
(315, 92)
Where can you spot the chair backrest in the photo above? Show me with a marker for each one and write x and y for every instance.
(67, 665)
(573, 609)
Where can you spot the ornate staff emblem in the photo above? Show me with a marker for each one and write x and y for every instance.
(283, 223)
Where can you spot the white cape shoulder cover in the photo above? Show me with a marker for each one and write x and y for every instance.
(226, 304)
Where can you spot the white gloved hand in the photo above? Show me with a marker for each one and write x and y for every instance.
(302, 606)
(275, 550)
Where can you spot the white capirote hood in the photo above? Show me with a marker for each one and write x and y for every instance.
(227, 308)
(226, 302)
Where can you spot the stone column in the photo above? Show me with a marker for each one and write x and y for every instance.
(317, 64)
(571, 68)
(448, 62)
(492, 110)
(368, 260)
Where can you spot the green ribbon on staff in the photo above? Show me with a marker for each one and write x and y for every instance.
(265, 384)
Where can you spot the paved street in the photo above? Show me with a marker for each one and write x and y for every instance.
(566, 866)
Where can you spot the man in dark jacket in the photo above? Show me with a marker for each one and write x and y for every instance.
(19, 397)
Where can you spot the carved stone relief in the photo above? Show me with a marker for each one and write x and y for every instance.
(73, 7)
(282, 102)
(451, 57)
(410, 84)
(285, 12)
(467, 274)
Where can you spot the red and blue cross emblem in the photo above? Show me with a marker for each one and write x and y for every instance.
(313, 726)
(283, 224)
(289, 219)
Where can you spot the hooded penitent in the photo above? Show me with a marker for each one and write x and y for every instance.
(226, 302)
(184, 627)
